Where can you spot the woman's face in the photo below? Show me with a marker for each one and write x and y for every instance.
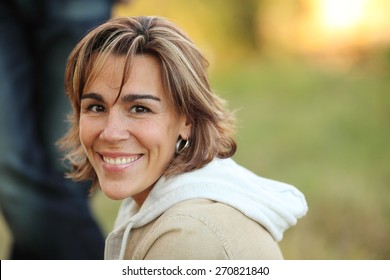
(131, 141)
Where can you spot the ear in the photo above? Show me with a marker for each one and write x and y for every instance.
(185, 127)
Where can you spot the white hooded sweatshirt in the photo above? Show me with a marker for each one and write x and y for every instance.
(275, 205)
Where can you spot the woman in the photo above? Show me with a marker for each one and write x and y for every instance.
(148, 130)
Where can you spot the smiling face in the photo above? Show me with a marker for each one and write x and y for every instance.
(129, 140)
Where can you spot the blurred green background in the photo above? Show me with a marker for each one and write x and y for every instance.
(310, 82)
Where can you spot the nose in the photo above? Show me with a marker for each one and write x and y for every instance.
(115, 128)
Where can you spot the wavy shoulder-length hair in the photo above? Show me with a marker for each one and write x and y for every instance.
(184, 71)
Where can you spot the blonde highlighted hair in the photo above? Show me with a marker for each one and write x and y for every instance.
(185, 79)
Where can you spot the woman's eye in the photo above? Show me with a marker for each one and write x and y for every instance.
(96, 108)
(139, 109)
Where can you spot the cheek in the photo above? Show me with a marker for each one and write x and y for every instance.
(87, 132)
(158, 137)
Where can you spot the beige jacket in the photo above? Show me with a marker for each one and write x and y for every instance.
(220, 211)
(201, 229)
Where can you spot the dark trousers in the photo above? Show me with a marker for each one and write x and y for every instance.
(48, 216)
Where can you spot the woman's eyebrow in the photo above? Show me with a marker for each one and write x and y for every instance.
(92, 95)
(133, 97)
(125, 98)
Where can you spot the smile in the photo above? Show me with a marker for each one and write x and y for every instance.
(120, 160)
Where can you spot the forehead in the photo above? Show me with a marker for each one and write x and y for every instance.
(140, 74)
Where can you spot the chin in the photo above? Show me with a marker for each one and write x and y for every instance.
(115, 195)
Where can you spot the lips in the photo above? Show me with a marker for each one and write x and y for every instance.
(120, 160)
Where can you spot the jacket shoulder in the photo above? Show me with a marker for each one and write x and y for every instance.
(202, 229)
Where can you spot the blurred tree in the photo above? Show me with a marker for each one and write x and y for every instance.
(242, 18)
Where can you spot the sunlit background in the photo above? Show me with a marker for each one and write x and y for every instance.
(310, 82)
(331, 31)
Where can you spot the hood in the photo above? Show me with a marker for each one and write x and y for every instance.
(275, 205)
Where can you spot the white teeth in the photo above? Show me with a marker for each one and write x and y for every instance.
(120, 160)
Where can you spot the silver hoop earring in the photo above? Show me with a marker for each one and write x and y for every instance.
(181, 145)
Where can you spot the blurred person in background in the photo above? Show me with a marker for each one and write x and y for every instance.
(48, 216)
(148, 130)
